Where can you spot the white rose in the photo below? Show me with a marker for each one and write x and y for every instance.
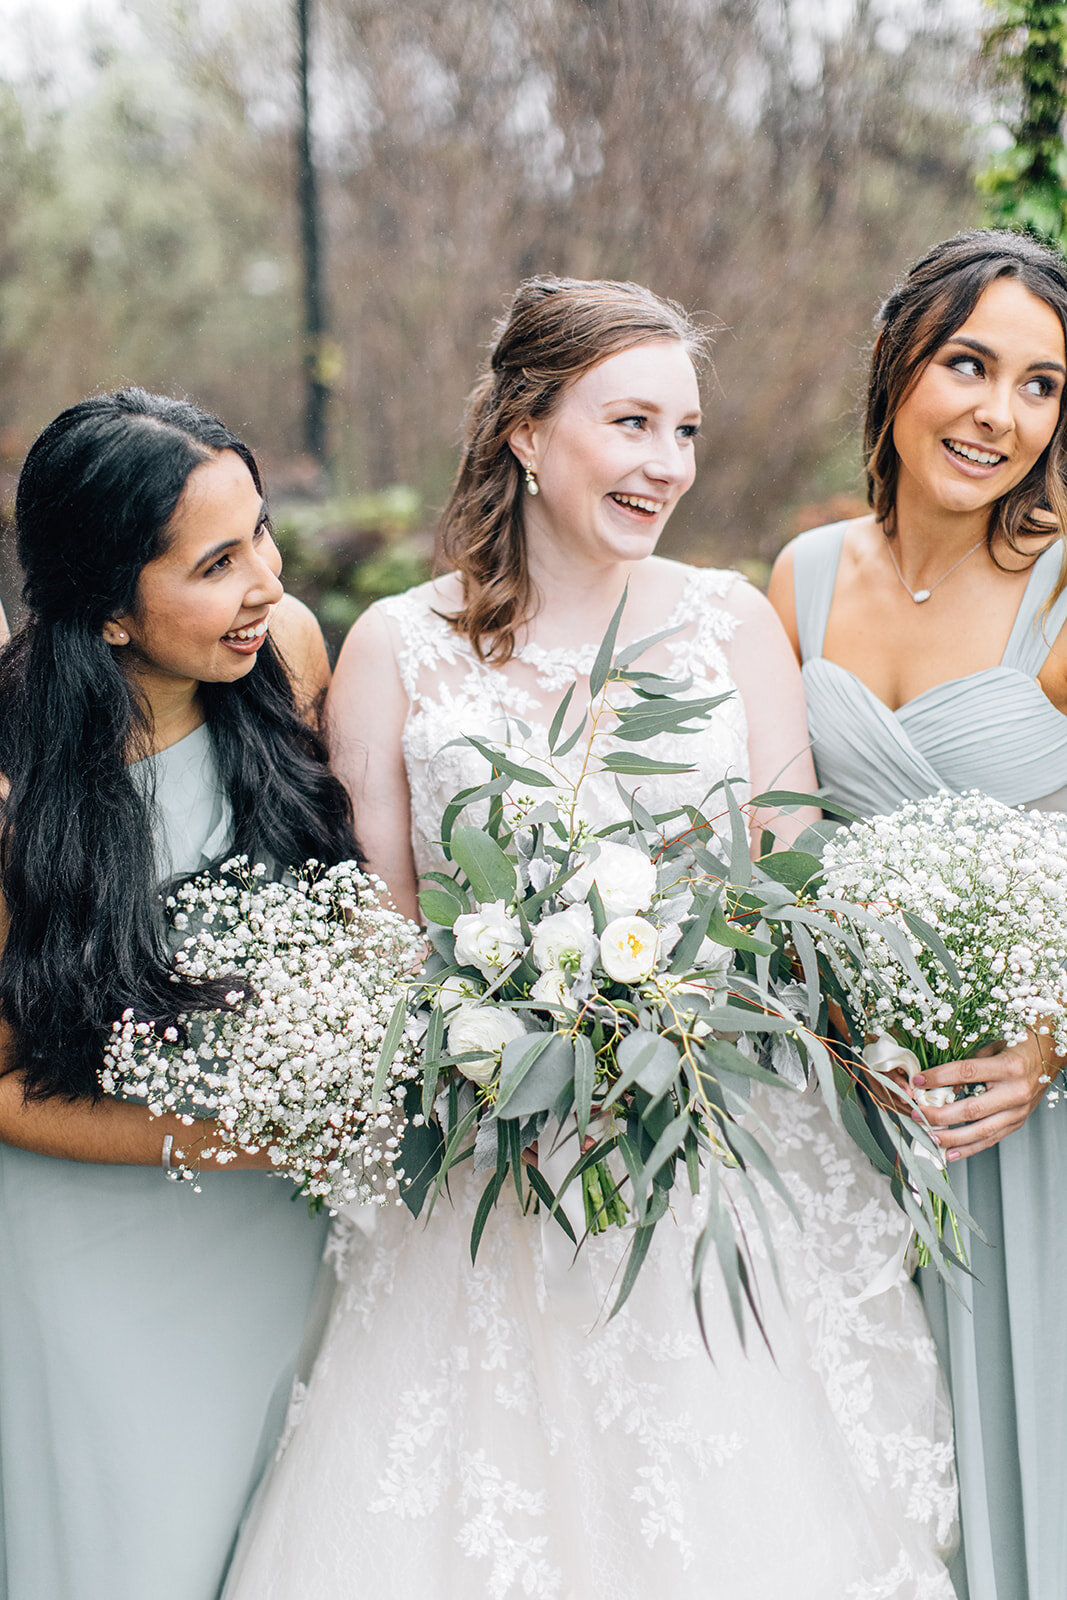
(552, 989)
(486, 1029)
(456, 991)
(625, 879)
(565, 941)
(488, 939)
(628, 949)
(886, 1055)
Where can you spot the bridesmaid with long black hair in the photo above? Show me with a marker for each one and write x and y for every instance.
(151, 724)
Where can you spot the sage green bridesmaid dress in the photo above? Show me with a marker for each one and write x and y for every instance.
(148, 1334)
(1002, 1348)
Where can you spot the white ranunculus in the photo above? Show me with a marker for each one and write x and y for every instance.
(456, 991)
(488, 939)
(486, 1029)
(628, 949)
(625, 879)
(565, 941)
(552, 989)
(886, 1055)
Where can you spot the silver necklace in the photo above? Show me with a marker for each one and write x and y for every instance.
(919, 595)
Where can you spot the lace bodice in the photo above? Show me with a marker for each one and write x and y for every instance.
(485, 1424)
(452, 693)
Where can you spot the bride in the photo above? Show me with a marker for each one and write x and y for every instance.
(486, 1429)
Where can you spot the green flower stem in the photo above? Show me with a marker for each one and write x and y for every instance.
(602, 1213)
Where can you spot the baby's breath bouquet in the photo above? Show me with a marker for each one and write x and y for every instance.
(979, 891)
(288, 1067)
(612, 993)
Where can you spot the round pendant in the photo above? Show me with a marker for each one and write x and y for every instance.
(920, 595)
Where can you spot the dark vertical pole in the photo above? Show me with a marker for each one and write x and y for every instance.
(318, 392)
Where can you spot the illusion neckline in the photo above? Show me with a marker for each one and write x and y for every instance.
(540, 656)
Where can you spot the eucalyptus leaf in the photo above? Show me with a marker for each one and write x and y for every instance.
(557, 721)
(584, 1081)
(491, 874)
(795, 868)
(640, 766)
(641, 1052)
(598, 676)
(685, 951)
(421, 1152)
(439, 907)
(740, 846)
(543, 1190)
(489, 1198)
(393, 1031)
(572, 739)
(638, 648)
(722, 931)
(933, 941)
(634, 1262)
(669, 1143)
(513, 769)
(535, 1077)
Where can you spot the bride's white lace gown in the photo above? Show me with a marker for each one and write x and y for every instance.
(469, 1432)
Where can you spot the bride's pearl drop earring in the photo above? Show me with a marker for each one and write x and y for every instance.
(532, 485)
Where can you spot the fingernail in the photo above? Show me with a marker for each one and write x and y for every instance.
(919, 1080)
(935, 1138)
(955, 1155)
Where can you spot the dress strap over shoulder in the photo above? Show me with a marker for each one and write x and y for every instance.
(423, 637)
(815, 560)
(1035, 629)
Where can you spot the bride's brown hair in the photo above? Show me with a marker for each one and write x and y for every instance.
(555, 330)
(929, 304)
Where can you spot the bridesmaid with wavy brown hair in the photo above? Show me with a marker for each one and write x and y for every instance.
(933, 636)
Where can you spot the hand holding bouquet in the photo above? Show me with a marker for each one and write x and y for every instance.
(288, 1068)
(979, 890)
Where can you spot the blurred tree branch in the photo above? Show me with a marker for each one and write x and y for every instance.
(1026, 185)
(744, 156)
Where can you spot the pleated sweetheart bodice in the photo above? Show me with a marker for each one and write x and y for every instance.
(993, 730)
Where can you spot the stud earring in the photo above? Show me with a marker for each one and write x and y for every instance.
(116, 636)
(532, 485)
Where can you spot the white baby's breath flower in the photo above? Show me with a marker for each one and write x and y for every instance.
(290, 1069)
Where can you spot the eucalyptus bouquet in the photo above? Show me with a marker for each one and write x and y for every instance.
(613, 993)
(979, 891)
(288, 1065)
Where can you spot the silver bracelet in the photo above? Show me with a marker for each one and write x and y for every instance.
(179, 1173)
